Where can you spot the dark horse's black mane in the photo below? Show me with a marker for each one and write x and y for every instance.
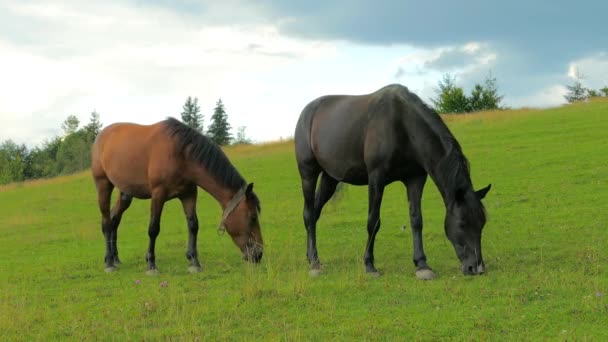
(209, 154)
(452, 171)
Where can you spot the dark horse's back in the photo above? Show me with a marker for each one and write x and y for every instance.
(365, 133)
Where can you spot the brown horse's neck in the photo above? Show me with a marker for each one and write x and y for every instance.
(214, 187)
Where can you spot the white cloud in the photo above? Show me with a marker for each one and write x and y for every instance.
(592, 69)
(139, 66)
(549, 96)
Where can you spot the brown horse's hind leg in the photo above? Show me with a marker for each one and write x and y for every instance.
(104, 192)
(156, 208)
(189, 204)
(122, 203)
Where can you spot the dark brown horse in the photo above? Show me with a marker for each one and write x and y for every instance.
(169, 160)
(376, 139)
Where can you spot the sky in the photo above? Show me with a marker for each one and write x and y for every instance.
(138, 61)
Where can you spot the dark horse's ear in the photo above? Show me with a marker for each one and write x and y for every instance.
(482, 192)
(249, 189)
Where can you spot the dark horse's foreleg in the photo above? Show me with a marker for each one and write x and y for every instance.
(189, 204)
(414, 195)
(104, 192)
(122, 203)
(375, 192)
(156, 208)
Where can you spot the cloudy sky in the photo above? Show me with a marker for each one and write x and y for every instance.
(136, 60)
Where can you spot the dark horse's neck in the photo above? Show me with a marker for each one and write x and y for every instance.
(442, 157)
(451, 172)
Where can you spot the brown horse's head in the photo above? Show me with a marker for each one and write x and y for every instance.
(241, 222)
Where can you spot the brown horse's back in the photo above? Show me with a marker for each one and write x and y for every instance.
(126, 154)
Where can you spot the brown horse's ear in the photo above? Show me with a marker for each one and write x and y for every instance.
(482, 192)
(249, 189)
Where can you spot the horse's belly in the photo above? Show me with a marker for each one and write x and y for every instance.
(129, 187)
(345, 172)
(137, 191)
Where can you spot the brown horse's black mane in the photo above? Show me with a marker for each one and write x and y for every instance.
(205, 151)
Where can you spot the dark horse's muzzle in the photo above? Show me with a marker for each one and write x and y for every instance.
(473, 268)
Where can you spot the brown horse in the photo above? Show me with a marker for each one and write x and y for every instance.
(170, 160)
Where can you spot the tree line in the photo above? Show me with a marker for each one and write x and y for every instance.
(451, 98)
(219, 130)
(63, 154)
(71, 151)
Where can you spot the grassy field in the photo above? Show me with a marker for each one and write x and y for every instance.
(545, 248)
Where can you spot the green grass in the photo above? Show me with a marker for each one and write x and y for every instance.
(545, 247)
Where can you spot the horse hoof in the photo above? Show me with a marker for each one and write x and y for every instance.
(374, 274)
(315, 272)
(110, 269)
(194, 269)
(152, 272)
(425, 274)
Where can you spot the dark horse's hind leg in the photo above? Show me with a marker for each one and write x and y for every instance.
(309, 183)
(156, 208)
(189, 204)
(313, 204)
(414, 195)
(104, 192)
(375, 192)
(122, 203)
(327, 187)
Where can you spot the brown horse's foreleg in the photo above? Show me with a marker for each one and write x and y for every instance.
(122, 203)
(156, 208)
(189, 204)
(375, 192)
(104, 192)
(414, 195)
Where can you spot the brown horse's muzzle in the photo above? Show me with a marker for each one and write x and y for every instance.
(253, 256)
(253, 252)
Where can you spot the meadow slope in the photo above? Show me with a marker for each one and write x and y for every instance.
(545, 247)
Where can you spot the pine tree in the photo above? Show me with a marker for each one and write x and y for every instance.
(450, 98)
(489, 96)
(576, 91)
(93, 127)
(241, 136)
(191, 114)
(219, 130)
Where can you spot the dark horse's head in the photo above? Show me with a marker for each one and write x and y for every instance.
(464, 221)
(242, 224)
